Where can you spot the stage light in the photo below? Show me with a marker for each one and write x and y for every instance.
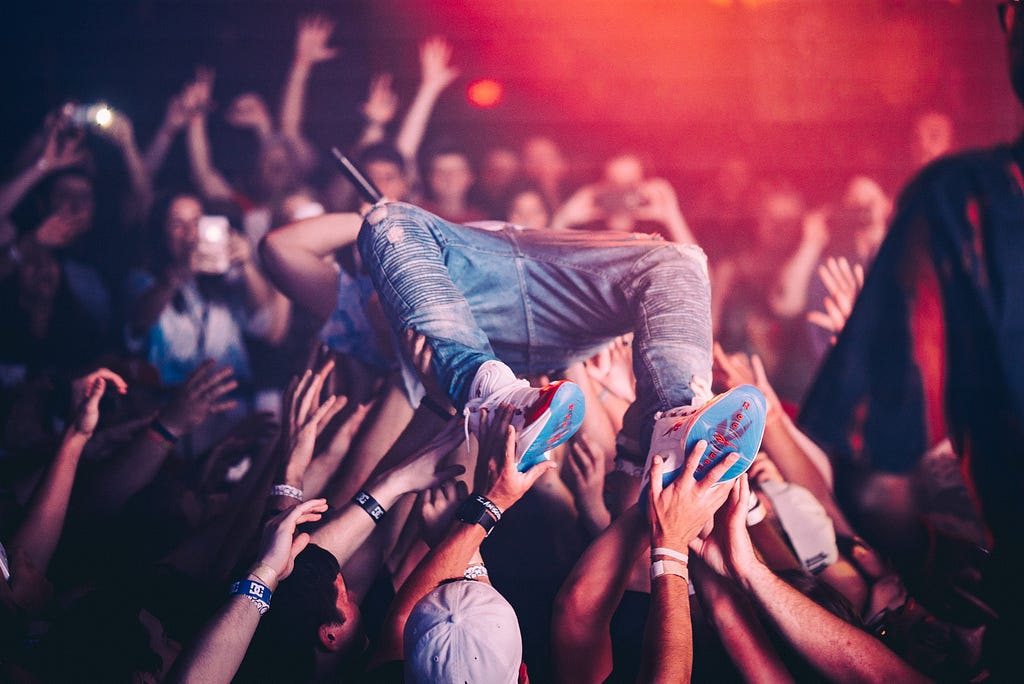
(484, 93)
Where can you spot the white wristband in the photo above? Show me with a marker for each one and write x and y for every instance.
(671, 553)
(287, 490)
(670, 567)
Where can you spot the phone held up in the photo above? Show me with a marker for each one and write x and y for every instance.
(211, 255)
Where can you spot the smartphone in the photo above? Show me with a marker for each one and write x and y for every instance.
(98, 114)
(211, 253)
(367, 190)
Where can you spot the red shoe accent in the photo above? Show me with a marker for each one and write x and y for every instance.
(547, 394)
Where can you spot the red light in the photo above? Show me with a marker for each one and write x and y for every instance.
(484, 93)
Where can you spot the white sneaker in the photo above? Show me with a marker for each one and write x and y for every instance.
(731, 422)
(544, 416)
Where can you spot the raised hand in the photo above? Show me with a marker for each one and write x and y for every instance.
(740, 369)
(311, 38)
(382, 102)
(61, 228)
(660, 201)
(727, 549)
(581, 208)
(197, 95)
(437, 509)
(63, 147)
(200, 396)
(119, 130)
(248, 110)
(81, 387)
(90, 389)
(843, 283)
(435, 69)
(306, 417)
(280, 545)
(498, 454)
(680, 511)
(421, 354)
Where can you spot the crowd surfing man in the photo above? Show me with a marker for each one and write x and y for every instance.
(932, 348)
(495, 301)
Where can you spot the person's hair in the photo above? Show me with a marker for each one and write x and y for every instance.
(823, 594)
(442, 149)
(381, 152)
(288, 637)
(519, 187)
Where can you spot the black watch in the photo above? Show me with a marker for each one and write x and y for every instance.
(478, 510)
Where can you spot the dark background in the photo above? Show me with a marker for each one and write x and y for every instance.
(810, 89)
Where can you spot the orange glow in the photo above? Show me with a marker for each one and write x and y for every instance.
(484, 93)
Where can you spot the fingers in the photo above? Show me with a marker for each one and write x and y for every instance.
(338, 403)
(92, 402)
(112, 377)
(657, 482)
(447, 473)
(716, 473)
(536, 470)
(693, 459)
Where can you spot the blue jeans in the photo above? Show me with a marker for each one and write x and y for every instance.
(541, 300)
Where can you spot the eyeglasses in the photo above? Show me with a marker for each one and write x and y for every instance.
(1008, 13)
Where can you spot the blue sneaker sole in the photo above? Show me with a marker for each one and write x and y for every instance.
(566, 410)
(733, 423)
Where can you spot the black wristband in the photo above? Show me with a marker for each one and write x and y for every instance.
(161, 429)
(437, 409)
(370, 505)
(479, 510)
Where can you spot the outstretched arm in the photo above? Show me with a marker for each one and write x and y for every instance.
(449, 558)
(218, 650)
(789, 296)
(311, 48)
(436, 75)
(209, 181)
(41, 529)
(836, 649)
(295, 259)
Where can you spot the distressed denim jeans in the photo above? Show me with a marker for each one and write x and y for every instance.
(540, 300)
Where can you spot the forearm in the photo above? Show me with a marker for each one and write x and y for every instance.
(668, 635)
(139, 179)
(738, 627)
(589, 597)
(797, 468)
(392, 416)
(41, 529)
(789, 297)
(211, 184)
(293, 99)
(447, 560)
(258, 292)
(154, 156)
(836, 649)
(218, 650)
(345, 531)
(414, 126)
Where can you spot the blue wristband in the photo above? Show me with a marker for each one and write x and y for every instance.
(258, 593)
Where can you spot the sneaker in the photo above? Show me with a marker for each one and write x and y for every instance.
(544, 416)
(731, 422)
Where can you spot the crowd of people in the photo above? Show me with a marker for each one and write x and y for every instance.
(249, 431)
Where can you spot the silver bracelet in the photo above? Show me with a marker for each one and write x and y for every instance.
(286, 490)
(475, 571)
